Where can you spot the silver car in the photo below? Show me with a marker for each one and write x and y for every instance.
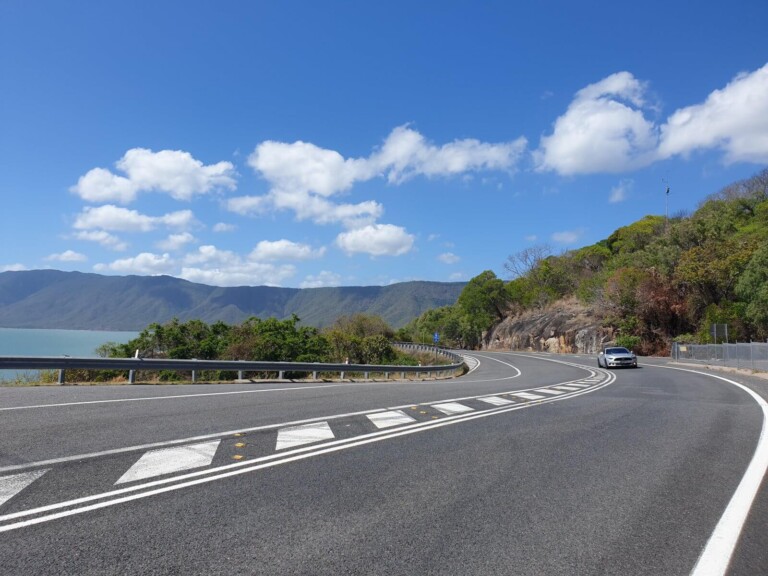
(616, 356)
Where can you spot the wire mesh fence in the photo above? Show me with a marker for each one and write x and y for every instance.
(744, 355)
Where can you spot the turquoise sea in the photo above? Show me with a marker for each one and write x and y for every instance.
(34, 342)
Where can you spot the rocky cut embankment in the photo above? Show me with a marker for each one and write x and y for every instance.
(565, 327)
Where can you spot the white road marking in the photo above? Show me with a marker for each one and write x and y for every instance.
(300, 435)
(122, 495)
(496, 401)
(549, 391)
(451, 408)
(566, 388)
(527, 396)
(576, 385)
(174, 397)
(390, 418)
(12, 485)
(168, 460)
(716, 556)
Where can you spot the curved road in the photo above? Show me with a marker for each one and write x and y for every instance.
(530, 464)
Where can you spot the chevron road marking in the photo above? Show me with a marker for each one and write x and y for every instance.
(15, 483)
(549, 391)
(566, 388)
(451, 408)
(527, 396)
(309, 433)
(390, 418)
(168, 460)
(496, 401)
(300, 435)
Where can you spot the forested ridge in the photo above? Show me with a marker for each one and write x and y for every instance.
(654, 281)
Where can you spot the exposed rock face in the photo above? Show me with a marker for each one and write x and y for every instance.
(566, 327)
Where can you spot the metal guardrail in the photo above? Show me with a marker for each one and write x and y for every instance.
(133, 365)
(743, 355)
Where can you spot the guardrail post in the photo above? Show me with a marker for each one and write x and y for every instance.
(366, 375)
(239, 374)
(342, 376)
(314, 375)
(194, 376)
(280, 375)
(61, 377)
(132, 377)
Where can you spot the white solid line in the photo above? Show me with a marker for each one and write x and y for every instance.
(548, 391)
(174, 397)
(527, 396)
(12, 485)
(168, 460)
(451, 408)
(256, 464)
(496, 401)
(717, 553)
(390, 418)
(300, 435)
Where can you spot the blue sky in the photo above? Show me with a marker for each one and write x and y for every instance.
(317, 143)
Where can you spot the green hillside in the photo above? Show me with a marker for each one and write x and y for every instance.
(79, 301)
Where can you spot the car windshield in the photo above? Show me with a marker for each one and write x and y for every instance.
(617, 351)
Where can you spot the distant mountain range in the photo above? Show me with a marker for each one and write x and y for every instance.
(80, 301)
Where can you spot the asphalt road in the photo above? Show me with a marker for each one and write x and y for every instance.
(527, 465)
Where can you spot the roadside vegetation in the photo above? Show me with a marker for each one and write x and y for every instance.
(653, 281)
(355, 339)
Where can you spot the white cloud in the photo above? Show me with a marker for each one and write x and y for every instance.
(246, 274)
(304, 178)
(620, 191)
(448, 258)
(733, 119)
(146, 264)
(224, 227)
(68, 256)
(603, 130)
(104, 238)
(323, 280)
(110, 217)
(567, 236)
(284, 250)
(531, 238)
(175, 241)
(456, 276)
(13, 268)
(174, 172)
(376, 240)
(211, 255)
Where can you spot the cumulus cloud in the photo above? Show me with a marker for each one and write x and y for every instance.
(176, 242)
(173, 172)
(67, 256)
(104, 238)
(620, 191)
(448, 258)
(146, 264)
(322, 280)
(305, 178)
(224, 227)
(376, 240)
(285, 250)
(13, 268)
(733, 119)
(115, 218)
(603, 130)
(210, 265)
(567, 237)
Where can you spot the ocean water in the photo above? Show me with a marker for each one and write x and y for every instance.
(33, 342)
